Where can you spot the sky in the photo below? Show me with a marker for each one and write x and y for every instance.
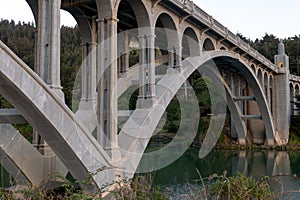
(251, 18)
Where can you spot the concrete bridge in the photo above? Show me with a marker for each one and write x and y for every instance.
(176, 34)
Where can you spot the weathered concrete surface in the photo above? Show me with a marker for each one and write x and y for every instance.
(23, 161)
(11, 116)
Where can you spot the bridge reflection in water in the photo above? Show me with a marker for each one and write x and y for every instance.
(281, 166)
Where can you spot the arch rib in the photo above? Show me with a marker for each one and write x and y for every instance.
(138, 130)
(67, 137)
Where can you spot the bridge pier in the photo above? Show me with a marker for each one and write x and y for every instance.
(255, 126)
(88, 77)
(48, 44)
(282, 95)
(123, 54)
(107, 80)
(48, 55)
(147, 96)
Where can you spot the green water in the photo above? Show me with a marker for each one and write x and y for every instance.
(182, 173)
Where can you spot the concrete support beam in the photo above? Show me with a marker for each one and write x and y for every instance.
(11, 116)
(247, 117)
(245, 98)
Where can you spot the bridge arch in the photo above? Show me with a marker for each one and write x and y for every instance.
(173, 82)
(296, 95)
(190, 43)
(266, 84)
(208, 44)
(167, 38)
(166, 31)
(223, 48)
(297, 89)
(87, 27)
(141, 13)
(33, 4)
(260, 76)
(292, 95)
(271, 91)
(253, 68)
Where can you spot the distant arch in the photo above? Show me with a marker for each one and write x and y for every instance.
(135, 9)
(208, 45)
(167, 38)
(271, 86)
(223, 48)
(260, 77)
(253, 68)
(297, 90)
(190, 43)
(292, 96)
(266, 84)
(33, 4)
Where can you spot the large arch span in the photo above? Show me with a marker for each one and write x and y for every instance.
(137, 131)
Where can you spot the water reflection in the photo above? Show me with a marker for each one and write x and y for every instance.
(251, 163)
(258, 164)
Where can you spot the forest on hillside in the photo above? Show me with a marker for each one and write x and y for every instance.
(20, 37)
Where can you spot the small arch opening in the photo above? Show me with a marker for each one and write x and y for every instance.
(208, 45)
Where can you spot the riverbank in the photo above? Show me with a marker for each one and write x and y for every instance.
(227, 142)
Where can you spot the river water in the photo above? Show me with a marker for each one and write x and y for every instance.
(180, 177)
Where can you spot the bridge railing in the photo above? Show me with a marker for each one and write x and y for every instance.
(222, 30)
(294, 78)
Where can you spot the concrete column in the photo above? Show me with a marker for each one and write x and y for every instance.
(233, 84)
(296, 111)
(36, 138)
(269, 95)
(107, 99)
(171, 51)
(151, 65)
(292, 93)
(142, 68)
(239, 93)
(88, 77)
(255, 127)
(125, 57)
(178, 51)
(101, 86)
(282, 105)
(47, 60)
(123, 54)
(48, 44)
(147, 95)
